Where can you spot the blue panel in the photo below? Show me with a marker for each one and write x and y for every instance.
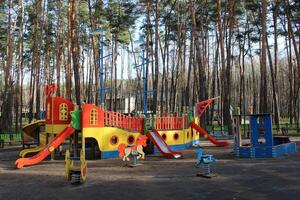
(263, 152)
(244, 152)
(261, 127)
(109, 154)
(266, 152)
(287, 148)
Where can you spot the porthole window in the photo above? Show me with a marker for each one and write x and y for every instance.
(63, 112)
(114, 140)
(130, 139)
(262, 140)
(164, 136)
(176, 136)
(93, 117)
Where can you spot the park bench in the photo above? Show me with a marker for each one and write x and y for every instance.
(10, 139)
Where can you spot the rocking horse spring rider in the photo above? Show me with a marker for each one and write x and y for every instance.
(134, 151)
(204, 160)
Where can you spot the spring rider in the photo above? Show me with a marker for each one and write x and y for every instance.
(133, 151)
(204, 160)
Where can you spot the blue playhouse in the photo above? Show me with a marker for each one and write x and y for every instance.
(262, 143)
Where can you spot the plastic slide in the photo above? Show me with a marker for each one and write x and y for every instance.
(24, 152)
(67, 132)
(30, 131)
(162, 146)
(209, 137)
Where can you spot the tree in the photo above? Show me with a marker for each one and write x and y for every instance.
(263, 99)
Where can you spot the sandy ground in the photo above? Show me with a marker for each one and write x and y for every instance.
(158, 178)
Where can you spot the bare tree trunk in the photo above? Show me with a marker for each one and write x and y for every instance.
(215, 74)
(74, 46)
(222, 51)
(163, 86)
(69, 61)
(115, 71)
(18, 89)
(188, 101)
(7, 105)
(59, 46)
(274, 86)
(263, 102)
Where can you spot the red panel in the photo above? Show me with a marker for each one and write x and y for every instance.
(86, 116)
(52, 110)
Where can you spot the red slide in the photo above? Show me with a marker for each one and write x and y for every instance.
(209, 137)
(67, 132)
(162, 146)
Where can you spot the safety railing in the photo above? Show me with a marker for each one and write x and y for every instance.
(170, 123)
(114, 119)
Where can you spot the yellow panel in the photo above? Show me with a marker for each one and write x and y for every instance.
(55, 129)
(43, 138)
(183, 139)
(170, 137)
(103, 135)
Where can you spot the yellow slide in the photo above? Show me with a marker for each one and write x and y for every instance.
(29, 135)
(43, 140)
(30, 131)
(24, 152)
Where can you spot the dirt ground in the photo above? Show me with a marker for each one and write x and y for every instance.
(158, 178)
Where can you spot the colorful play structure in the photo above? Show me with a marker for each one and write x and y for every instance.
(125, 136)
(114, 132)
(262, 142)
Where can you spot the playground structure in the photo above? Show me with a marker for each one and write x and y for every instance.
(115, 134)
(262, 143)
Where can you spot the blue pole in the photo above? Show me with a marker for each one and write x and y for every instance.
(102, 71)
(145, 84)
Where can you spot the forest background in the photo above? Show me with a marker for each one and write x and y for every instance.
(246, 52)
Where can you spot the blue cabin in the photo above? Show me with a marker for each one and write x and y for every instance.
(262, 143)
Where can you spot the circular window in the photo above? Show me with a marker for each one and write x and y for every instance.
(164, 136)
(130, 139)
(262, 140)
(176, 136)
(114, 140)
